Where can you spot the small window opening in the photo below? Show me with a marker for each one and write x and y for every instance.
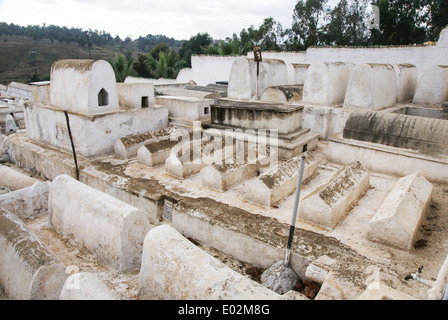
(206, 110)
(305, 147)
(145, 102)
(103, 98)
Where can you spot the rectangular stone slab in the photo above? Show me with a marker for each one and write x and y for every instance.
(331, 201)
(397, 220)
(280, 182)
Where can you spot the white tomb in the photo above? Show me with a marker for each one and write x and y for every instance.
(432, 87)
(87, 91)
(372, 86)
(326, 83)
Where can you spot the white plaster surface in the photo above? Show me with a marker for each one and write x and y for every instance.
(326, 83)
(330, 202)
(407, 77)
(85, 286)
(75, 84)
(186, 108)
(92, 135)
(130, 94)
(14, 179)
(110, 229)
(28, 269)
(194, 274)
(372, 86)
(397, 220)
(28, 202)
(244, 84)
(432, 87)
(280, 182)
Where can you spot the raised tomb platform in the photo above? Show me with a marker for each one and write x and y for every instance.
(394, 144)
(281, 124)
(87, 91)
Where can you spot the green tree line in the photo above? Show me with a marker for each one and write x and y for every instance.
(314, 23)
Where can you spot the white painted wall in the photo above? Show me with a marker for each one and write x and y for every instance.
(207, 69)
(92, 135)
(75, 84)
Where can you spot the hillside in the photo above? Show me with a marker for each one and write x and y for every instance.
(17, 63)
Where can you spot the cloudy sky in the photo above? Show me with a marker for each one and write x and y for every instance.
(179, 19)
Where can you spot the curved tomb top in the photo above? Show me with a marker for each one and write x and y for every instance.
(426, 135)
(83, 86)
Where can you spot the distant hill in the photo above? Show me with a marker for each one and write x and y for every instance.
(18, 63)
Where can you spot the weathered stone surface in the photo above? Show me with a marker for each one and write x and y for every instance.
(326, 83)
(28, 202)
(128, 146)
(290, 94)
(244, 84)
(372, 86)
(10, 125)
(195, 274)
(85, 286)
(397, 220)
(257, 115)
(112, 230)
(380, 291)
(401, 131)
(280, 182)
(14, 179)
(191, 157)
(330, 202)
(28, 269)
(432, 87)
(407, 77)
(279, 278)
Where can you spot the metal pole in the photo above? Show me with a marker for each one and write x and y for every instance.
(294, 213)
(73, 146)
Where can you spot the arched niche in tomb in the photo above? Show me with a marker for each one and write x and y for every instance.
(83, 86)
(103, 98)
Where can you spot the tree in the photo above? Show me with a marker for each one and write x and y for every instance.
(347, 26)
(269, 36)
(307, 26)
(402, 22)
(197, 44)
(438, 17)
(166, 65)
(122, 67)
(231, 47)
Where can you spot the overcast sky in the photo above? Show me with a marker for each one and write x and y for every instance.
(179, 19)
